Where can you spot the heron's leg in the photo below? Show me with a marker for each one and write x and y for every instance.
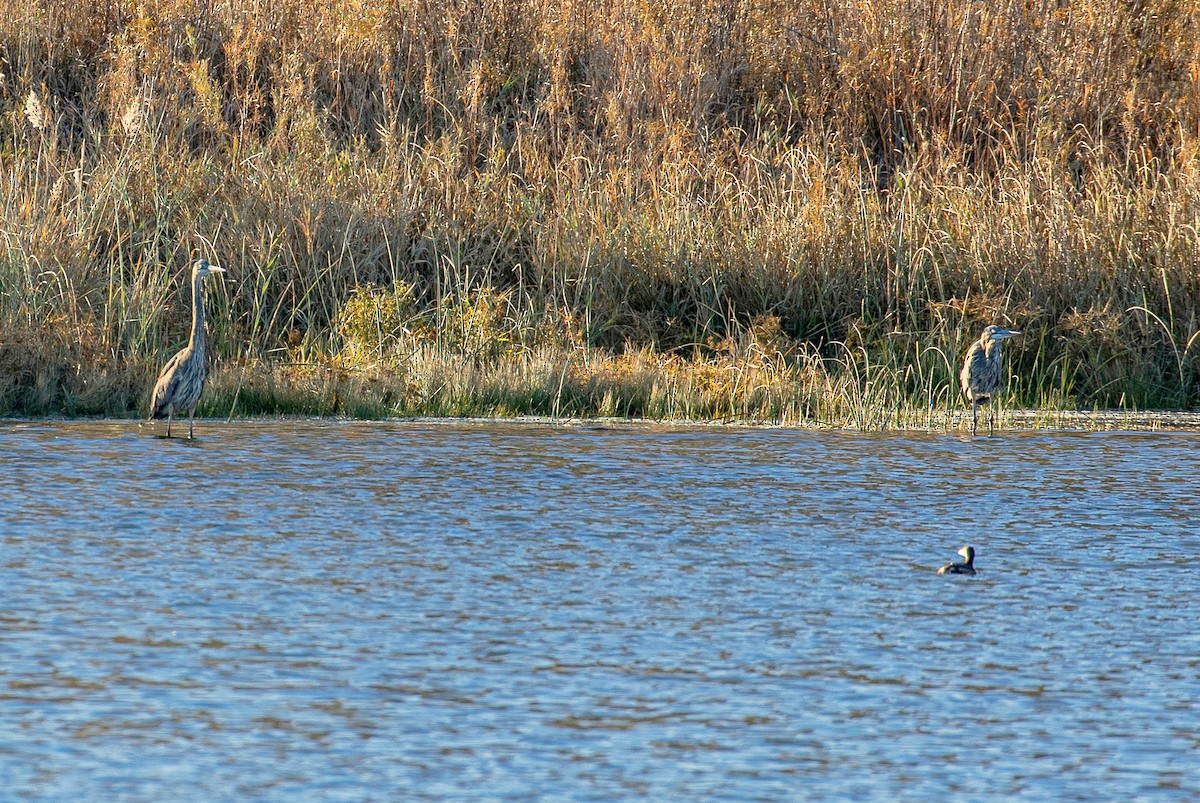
(191, 418)
(991, 419)
(169, 410)
(974, 417)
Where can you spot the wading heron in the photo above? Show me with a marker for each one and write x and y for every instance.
(982, 373)
(966, 567)
(182, 379)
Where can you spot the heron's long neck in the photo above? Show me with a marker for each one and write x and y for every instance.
(992, 350)
(196, 342)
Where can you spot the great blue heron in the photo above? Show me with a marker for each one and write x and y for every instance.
(182, 379)
(982, 374)
(967, 567)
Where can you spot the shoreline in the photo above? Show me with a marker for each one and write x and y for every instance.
(1015, 422)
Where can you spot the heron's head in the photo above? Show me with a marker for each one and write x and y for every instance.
(202, 267)
(968, 553)
(994, 332)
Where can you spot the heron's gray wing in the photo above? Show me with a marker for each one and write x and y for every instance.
(974, 363)
(166, 386)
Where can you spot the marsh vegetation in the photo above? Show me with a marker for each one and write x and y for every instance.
(770, 211)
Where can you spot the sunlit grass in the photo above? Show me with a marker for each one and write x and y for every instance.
(776, 212)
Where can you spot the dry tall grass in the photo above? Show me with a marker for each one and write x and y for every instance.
(655, 188)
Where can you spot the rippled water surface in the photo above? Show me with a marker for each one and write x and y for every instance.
(376, 610)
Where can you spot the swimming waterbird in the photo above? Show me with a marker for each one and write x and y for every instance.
(966, 567)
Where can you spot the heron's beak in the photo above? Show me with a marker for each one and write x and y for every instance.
(1004, 334)
(215, 269)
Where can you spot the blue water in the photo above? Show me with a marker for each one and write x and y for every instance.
(350, 611)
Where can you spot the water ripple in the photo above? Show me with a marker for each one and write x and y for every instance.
(352, 611)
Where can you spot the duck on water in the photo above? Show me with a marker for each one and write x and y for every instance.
(966, 567)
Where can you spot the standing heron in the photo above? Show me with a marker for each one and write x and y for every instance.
(967, 567)
(982, 375)
(182, 379)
